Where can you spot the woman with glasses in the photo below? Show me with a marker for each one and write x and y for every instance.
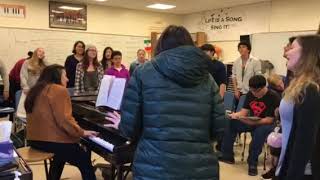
(89, 72)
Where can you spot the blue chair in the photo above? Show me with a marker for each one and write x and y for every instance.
(229, 101)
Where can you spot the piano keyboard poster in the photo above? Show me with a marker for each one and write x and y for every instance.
(8, 10)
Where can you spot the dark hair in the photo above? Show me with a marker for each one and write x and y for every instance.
(291, 39)
(116, 53)
(173, 36)
(318, 32)
(257, 81)
(208, 47)
(30, 53)
(245, 43)
(75, 45)
(50, 75)
(104, 60)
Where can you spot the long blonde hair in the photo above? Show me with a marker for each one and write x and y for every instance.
(307, 69)
(36, 65)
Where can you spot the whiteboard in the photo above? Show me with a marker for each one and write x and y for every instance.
(16, 42)
(269, 46)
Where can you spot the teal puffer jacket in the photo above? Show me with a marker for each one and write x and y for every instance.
(173, 109)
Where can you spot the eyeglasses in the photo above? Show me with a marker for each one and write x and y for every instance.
(93, 50)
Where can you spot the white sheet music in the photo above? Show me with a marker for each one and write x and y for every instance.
(116, 93)
(104, 90)
(111, 92)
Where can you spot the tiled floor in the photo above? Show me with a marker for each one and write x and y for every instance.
(237, 171)
(227, 172)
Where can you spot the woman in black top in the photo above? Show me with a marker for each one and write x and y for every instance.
(106, 59)
(72, 61)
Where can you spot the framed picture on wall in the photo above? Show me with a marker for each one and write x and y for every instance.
(67, 15)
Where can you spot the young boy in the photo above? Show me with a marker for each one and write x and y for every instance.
(117, 69)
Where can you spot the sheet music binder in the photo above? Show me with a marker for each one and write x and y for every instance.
(111, 92)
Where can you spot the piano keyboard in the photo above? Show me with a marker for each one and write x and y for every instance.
(12, 10)
(102, 143)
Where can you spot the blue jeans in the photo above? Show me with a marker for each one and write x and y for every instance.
(258, 133)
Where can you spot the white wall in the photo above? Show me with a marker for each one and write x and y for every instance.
(283, 15)
(229, 50)
(230, 23)
(294, 15)
(278, 15)
(101, 19)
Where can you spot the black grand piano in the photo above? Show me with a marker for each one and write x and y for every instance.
(110, 145)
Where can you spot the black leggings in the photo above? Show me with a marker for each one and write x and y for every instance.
(66, 152)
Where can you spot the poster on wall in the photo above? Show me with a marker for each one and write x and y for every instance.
(229, 23)
(222, 20)
(67, 15)
(12, 10)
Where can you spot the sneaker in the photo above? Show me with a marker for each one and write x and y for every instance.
(269, 175)
(226, 160)
(252, 171)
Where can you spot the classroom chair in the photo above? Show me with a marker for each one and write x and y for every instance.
(239, 107)
(31, 155)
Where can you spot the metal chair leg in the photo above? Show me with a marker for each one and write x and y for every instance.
(244, 146)
(46, 169)
(265, 156)
(127, 172)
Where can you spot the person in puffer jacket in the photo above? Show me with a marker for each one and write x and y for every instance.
(173, 110)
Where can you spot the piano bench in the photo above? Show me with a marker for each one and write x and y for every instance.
(33, 155)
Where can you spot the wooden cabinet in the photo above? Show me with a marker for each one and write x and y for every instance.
(199, 39)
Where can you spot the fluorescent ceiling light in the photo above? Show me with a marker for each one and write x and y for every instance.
(71, 8)
(161, 6)
(58, 12)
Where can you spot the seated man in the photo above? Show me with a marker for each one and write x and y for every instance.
(260, 102)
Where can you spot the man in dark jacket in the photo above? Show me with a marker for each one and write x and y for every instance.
(216, 68)
(172, 107)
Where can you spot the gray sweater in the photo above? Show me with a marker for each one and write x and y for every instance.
(28, 79)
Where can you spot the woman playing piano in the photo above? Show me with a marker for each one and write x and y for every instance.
(51, 127)
(173, 110)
